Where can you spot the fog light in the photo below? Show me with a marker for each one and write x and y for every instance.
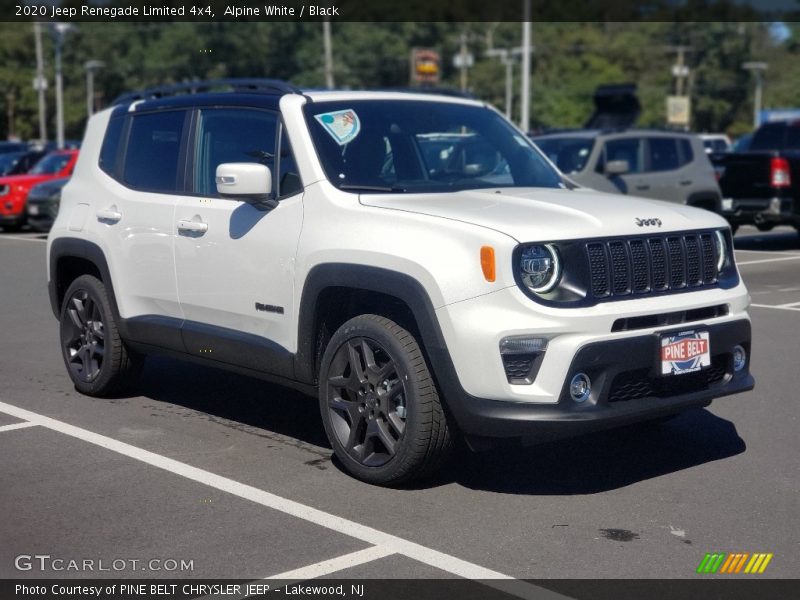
(739, 358)
(580, 387)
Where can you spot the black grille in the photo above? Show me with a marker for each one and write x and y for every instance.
(598, 266)
(676, 263)
(518, 367)
(651, 264)
(634, 385)
(709, 257)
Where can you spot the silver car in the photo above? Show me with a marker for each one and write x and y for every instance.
(655, 164)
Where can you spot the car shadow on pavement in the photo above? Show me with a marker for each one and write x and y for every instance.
(244, 401)
(589, 464)
(601, 461)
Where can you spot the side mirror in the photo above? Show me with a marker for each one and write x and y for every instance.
(249, 182)
(617, 167)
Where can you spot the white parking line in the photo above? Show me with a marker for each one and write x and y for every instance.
(772, 252)
(21, 238)
(768, 260)
(13, 426)
(393, 544)
(326, 567)
(777, 307)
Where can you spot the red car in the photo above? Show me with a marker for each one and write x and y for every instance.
(14, 189)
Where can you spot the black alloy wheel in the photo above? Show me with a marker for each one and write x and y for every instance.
(97, 359)
(366, 401)
(380, 405)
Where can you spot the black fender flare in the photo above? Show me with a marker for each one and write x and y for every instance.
(68, 247)
(371, 279)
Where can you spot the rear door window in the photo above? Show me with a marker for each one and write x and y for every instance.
(663, 154)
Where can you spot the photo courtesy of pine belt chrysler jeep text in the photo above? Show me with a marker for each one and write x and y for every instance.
(412, 260)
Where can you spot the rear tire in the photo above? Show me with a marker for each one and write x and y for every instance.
(96, 358)
(379, 403)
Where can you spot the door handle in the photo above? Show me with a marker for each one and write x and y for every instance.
(190, 226)
(686, 182)
(642, 187)
(110, 215)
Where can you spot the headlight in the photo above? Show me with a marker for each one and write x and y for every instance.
(540, 267)
(722, 250)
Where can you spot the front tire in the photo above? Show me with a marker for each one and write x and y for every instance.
(379, 403)
(96, 358)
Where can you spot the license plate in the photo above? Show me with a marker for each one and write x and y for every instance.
(727, 204)
(685, 352)
(33, 209)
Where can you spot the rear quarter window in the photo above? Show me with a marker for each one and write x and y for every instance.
(153, 151)
(109, 152)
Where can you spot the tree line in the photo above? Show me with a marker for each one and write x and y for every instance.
(568, 62)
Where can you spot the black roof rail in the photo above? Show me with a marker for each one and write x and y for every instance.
(194, 87)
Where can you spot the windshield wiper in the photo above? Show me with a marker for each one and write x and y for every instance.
(371, 188)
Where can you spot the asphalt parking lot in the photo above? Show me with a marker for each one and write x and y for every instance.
(236, 476)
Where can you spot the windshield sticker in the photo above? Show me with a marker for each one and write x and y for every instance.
(343, 125)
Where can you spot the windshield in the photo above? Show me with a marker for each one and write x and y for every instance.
(422, 146)
(51, 164)
(568, 153)
(8, 162)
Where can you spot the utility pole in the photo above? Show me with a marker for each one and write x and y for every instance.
(757, 68)
(679, 106)
(40, 83)
(504, 54)
(59, 31)
(679, 70)
(91, 67)
(463, 61)
(328, 45)
(525, 95)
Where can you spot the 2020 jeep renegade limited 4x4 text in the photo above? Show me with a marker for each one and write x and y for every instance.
(412, 260)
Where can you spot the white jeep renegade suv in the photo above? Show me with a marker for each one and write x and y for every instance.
(413, 260)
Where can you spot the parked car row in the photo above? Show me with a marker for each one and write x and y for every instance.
(23, 168)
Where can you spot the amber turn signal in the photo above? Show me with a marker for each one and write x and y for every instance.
(487, 263)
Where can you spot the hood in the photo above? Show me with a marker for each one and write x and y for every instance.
(537, 214)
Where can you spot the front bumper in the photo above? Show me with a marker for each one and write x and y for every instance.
(627, 388)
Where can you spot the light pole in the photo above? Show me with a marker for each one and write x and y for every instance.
(757, 69)
(59, 31)
(91, 66)
(328, 52)
(504, 54)
(525, 97)
(40, 83)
